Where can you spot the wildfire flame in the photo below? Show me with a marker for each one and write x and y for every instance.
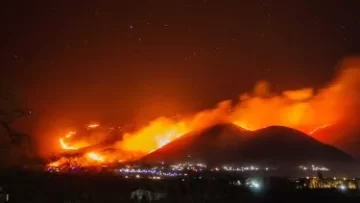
(95, 157)
(57, 163)
(319, 128)
(305, 109)
(156, 135)
(93, 126)
(64, 145)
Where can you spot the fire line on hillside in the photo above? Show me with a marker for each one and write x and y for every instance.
(305, 110)
(95, 157)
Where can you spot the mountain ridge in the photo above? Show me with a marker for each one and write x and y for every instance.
(229, 143)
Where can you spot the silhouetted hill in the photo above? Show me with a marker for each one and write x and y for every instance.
(227, 143)
(286, 144)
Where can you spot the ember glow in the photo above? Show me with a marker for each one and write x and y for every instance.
(64, 142)
(93, 126)
(319, 128)
(57, 163)
(64, 145)
(96, 157)
(306, 110)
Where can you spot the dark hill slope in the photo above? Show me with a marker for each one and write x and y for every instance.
(288, 145)
(227, 143)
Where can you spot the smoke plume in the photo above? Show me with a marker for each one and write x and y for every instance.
(304, 109)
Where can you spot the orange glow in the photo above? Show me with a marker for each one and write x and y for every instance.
(64, 145)
(70, 134)
(155, 135)
(73, 146)
(319, 128)
(164, 130)
(57, 163)
(95, 157)
(304, 109)
(244, 125)
(93, 126)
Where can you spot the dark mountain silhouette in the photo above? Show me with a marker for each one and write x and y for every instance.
(227, 143)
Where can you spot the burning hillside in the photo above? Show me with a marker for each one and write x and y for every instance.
(306, 110)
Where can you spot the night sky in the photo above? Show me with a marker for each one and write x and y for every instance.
(130, 60)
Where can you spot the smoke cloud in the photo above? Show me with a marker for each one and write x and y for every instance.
(303, 109)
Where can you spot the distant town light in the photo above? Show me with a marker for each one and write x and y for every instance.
(342, 187)
(255, 184)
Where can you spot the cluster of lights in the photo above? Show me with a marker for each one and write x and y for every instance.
(173, 170)
(344, 179)
(53, 169)
(241, 169)
(154, 174)
(178, 170)
(201, 166)
(230, 168)
(314, 168)
(188, 166)
(137, 176)
(253, 183)
(340, 183)
(249, 183)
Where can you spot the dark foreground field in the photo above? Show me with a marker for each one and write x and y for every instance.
(39, 187)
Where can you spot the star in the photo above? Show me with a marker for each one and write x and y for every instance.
(131, 26)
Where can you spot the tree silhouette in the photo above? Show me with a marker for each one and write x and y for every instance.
(10, 111)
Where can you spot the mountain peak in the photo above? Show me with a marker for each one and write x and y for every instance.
(228, 143)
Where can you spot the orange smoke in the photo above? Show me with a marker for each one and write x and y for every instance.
(307, 110)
